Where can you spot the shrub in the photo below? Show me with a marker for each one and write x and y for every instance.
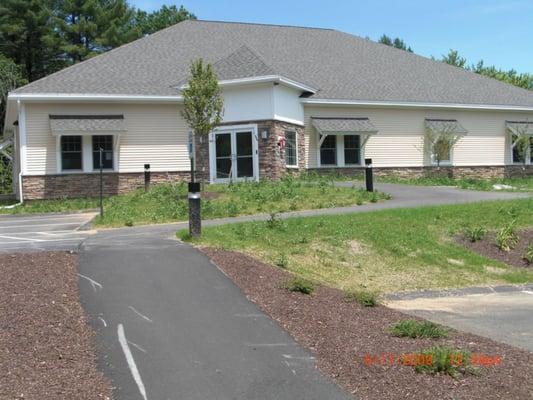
(128, 222)
(475, 233)
(448, 361)
(301, 285)
(415, 329)
(507, 239)
(282, 261)
(184, 235)
(528, 255)
(363, 297)
(274, 222)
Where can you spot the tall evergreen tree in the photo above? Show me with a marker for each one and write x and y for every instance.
(118, 25)
(26, 36)
(162, 18)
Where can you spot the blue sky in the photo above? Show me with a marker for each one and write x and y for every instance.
(499, 32)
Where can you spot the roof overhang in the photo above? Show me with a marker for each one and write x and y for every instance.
(343, 126)
(406, 104)
(444, 126)
(263, 79)
(87, 124)
(78, 97)
(520, 127)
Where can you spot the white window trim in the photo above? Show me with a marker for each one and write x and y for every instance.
(86, 154)
(340, 151)
(529, 155)
(444, 163)
(293, 166)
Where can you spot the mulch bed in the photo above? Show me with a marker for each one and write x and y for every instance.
(487, 247)
(46, 346)
(341, 333)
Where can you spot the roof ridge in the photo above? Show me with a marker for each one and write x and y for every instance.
(260, 24)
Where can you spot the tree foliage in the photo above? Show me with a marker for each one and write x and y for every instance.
(149, 23)
(10, 78)
(439, 144)
(396, 42)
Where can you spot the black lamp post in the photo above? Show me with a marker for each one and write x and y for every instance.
(369, 175)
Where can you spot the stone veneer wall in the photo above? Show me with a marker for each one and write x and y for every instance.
(88, 185)
(271, 157)
(479, 172)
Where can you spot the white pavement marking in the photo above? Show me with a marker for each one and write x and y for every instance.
(131, 362)
(93, 282)
(137, 346)
(103, 322)
(527, 291)
(33, 225)
(21, 238)
(140, 315)
(291, 357)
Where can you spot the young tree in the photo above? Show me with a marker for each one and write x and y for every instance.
(439, 143)
(522, 139)
(203, 103)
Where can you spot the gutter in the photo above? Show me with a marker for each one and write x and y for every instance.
(93, 97)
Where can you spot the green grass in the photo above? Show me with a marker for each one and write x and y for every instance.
(300, 285)
(363, 297)
(414, 329)
(383, 251)
(446, 360)
(168, 202)
(518, 184)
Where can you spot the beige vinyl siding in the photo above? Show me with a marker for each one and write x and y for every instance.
(400, 138)
(156, 134)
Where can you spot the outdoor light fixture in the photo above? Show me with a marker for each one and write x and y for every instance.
(264, 134)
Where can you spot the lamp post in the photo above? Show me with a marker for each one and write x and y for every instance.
(369, 175)
(146, 177)
(101, 151)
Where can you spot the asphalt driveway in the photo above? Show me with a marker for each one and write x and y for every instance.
(170, 325)
(500, 313)
(44, 232)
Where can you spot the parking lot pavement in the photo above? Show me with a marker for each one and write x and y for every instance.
(502, 316)
(43, 232)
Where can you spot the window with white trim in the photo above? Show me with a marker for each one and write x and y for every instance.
(328, 150)
(291, 149)
(71, 153)
(352, 149)
(442, 152)
(104, 142)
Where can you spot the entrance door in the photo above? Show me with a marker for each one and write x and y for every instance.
(233, 154)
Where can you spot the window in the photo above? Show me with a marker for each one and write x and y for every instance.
(105, 143)
(518, 156)
(442, 152)
(291, 149)
(352, 149)
(71, 153)
(328, 151)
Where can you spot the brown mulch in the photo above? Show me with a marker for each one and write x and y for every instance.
(487, 247)
(46, 346)
(341, 333)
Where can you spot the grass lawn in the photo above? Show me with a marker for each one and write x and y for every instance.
(384, 251)
(518, 184)
(168, 202)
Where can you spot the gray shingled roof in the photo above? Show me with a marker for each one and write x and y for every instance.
(340, 125)
(86, 123)
(339, 65)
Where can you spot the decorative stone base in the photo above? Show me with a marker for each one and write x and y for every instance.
(476, 172)
(88, 185)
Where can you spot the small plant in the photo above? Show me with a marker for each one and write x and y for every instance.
(374, 197)
(184, 235)
(446, 360)
(128, 222)
(415, 329)
(282, 261)
(274, 221)
(507, 239)
(363, 297)
(301, 285)
(475, 233)
(359, 201)
(528, 255)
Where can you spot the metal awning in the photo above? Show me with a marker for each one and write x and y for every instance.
(520, 127)
(444, 126)
(343, 126)
(87, 124)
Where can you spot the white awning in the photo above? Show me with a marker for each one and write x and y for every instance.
(343, 126)
(87, 124)
(520, 127)
(444, 126)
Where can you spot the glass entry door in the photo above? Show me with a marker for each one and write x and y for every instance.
(234, 155)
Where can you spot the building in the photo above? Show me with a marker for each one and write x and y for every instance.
(296, 99)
